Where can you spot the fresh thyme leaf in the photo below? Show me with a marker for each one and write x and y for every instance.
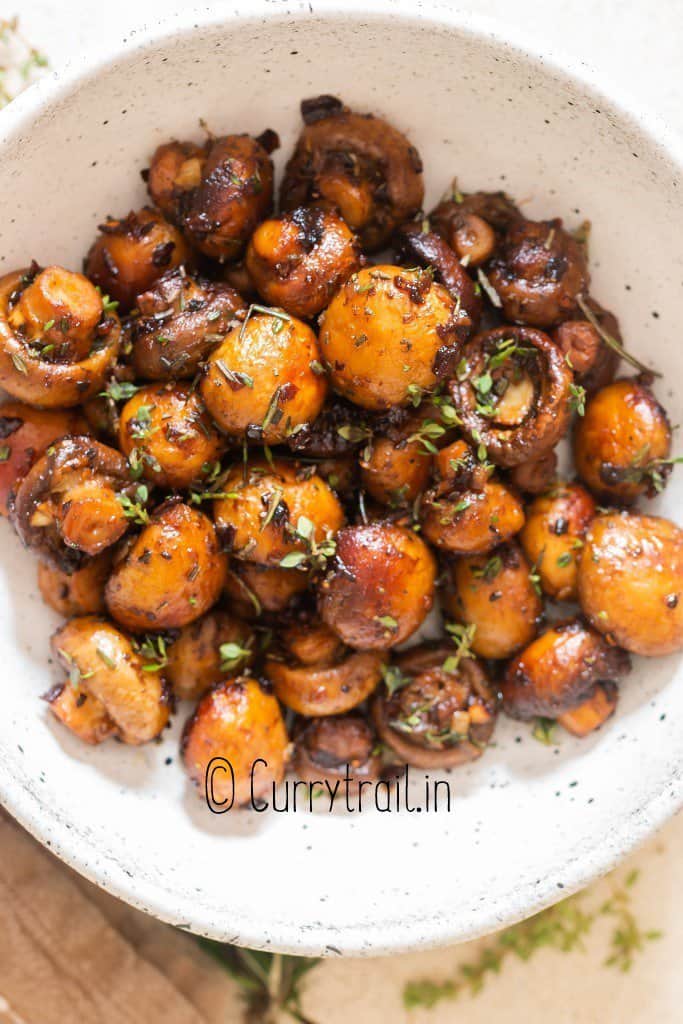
(394, 679)
(119, 390)
(545, 731)
(232, 655)
(577, 401)
(5, 453)
(388, 622)
(462, 636)
(103, 656)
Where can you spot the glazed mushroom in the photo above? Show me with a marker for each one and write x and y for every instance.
(181, 320)
(469, 522)
(216, 193)
(436, 711)
(168, 436)
(473, 223)
(58, 339)
(495, 594)
(326, 678)
(77, 593)
(239, 722)
(299, 260)
(630, 582)
(265, 380)
(558, 671)
(429, 250)
(172, 573)
(205, 651)
(538, 273)
(110, 692)
(384, 333)
(513, 393)
(255, 590)
(552, 537)
(25, 433)
(131, 253)
(593, 713)
(282, 514)
(358, 163)
(395, 472)
(381, 586)
(535, 475)
(593, 361)
(340, 748)
(74, 501)
(623, 442)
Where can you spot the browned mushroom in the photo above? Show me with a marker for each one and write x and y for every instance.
(513, 393)
(340, 748)
(435, 711)
(358, 163)
(594, 711)
(207, 650)
(77, 593)
(57, 337)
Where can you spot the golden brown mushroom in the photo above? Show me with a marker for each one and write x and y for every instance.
(335, 749)
(538, 273)
(469, 522)
(182, 319)
(168, 436)
(73, 502)
(216, 193)
(254, 589)
(113, 693)
(631, 581)
(382, 335)
(326, 678)
(131, 253)
(513, 393)
(77, 593)
(278, 514)
(205, 651)
(299, 260)
(623, 442)
(381, 586)
(172, 574)
(240, 722)
(358, 163)
(552, 537)
(435, 711)
(265, 380)
(558, 671)
(495, 594)
(594, 711)
(57, 338)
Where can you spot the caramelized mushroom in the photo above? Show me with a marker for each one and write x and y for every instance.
(466, 515)
(538, 273)
(552, 537)
(335, 749)
(205, 651)
(240, 722)
(265, 380)
(594, 711)
(168, 436)
(78, 593)
(130, 254)
(72, 502)
(381, 335)
(172, 573)
(535, 475)
(495, 594)
(57, 340)
(435, 713)
(358, 163)
(299, 260)
(381, 586)
(254, 589)
(278, 515)
(112, 692)
(593, 361)
(513, 393)
(623, 442)
(558, 671)
(395, 473)
(631, 581)
(182, 319)
(25, 433)
(216, 193)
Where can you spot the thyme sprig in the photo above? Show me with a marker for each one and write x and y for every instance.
(610, 340)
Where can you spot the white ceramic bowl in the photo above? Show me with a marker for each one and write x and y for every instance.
(530, 823)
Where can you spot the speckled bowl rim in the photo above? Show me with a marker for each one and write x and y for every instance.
(72, 844)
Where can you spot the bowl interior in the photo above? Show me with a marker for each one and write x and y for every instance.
(527, 822)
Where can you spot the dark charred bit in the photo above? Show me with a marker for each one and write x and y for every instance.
(269, 140)
(319, 107)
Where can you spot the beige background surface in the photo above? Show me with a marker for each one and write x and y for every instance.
(639, 45)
